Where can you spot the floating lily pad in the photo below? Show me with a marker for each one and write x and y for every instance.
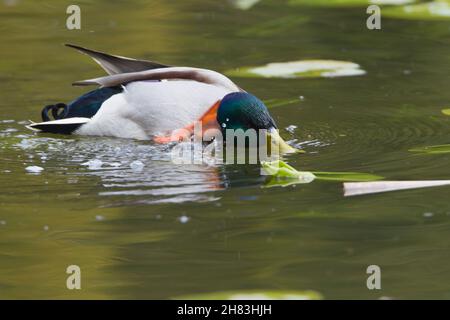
(285, 175)
(300, 69)
(446, 112)
(348, 3)
(244, 4)
(435, 10)
(255, 295)
(440, 149)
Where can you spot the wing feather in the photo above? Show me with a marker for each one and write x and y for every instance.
(116, 64)
(185, 73)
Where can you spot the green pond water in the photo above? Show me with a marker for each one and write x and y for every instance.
(169, 230)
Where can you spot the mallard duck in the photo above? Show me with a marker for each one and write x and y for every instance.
(140, 99)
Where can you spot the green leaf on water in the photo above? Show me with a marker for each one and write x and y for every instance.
(347, 176)
(254, 295)
(439, 149)
(446, 112)
(285, 175)
(300, 69)
(281, 170)
(434, 10)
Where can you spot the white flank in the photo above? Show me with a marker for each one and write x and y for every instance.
(147, 108)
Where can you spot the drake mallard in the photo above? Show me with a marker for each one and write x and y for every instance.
(140, 99)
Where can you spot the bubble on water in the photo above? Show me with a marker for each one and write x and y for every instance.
(93, 164)
(184, 219)
(2, 222)
(428, 214)
(291, 128)
(46, 228)
(9, 130)
(99, 218)
(137, 165)
(25, 144)
(34, 169)
(301, 98)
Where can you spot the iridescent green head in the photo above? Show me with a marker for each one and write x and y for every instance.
(242, 110)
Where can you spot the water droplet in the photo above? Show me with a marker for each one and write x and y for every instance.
(115, 164)
(291, 128)
(137, 165)
(184, 219)
(428, 214)
(93, 164)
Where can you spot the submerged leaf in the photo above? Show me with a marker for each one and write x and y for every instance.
(255, 295)
(278, 26)
(444, 148)
(274, 103)
(300, 69)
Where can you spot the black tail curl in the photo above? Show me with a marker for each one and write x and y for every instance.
(59, 111)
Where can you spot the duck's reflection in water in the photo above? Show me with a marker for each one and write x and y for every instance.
(127, 172)
(137, 173)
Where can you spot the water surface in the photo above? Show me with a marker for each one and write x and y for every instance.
(160, 230)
